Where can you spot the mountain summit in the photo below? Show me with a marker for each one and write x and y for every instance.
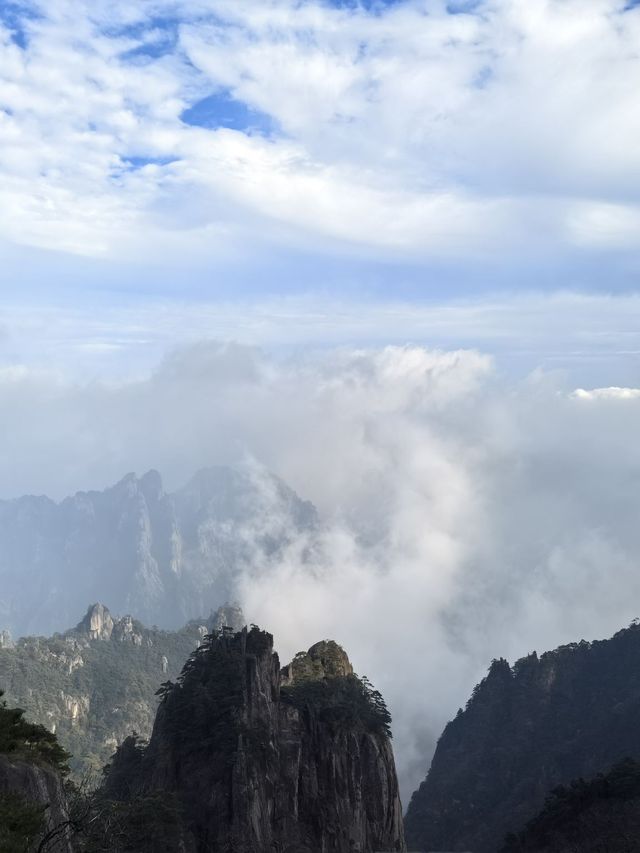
(163, 557)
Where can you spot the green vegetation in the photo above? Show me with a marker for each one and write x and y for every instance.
(146, 823)
(602, 814)
(30, 741)
(344, 702)
(93, 693)
(566, 714)
(208, 693)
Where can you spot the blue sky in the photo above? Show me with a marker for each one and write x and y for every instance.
(415, 152)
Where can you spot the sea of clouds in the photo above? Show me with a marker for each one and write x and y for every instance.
(465, 515)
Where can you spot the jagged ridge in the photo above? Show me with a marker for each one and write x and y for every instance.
(164, 558)
(570, 713)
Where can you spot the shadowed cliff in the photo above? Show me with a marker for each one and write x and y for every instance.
(568, 714)
(256, 766)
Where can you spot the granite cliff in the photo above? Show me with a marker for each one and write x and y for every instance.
(262, 760)
(569, 714)
(163, 557)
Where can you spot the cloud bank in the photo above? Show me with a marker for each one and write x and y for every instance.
(465, 516)
(591, 339)
(412, 129)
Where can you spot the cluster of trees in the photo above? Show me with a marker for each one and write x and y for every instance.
(207, 694)
(97, 820)
(344, 701)
(29, 740)
(600, 815)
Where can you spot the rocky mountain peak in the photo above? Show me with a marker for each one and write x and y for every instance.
(98, 623)
(256, 767)
(151, 486)
(227, 616)
(323, 660)
(166, 558)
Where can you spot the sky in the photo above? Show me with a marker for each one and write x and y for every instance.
(171, 170)
(388, 250)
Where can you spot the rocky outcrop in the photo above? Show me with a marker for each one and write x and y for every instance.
(163, 557)
(97, 623)
(6, 641)
(40, 785)
(325, 659)
(258, 767)
(568, 714)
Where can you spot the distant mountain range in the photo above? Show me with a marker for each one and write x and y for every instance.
(163, 557)
(569, 714)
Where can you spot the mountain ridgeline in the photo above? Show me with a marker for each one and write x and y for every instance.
(96, 683)
(569, 714)
(258, 760)
(164, 558)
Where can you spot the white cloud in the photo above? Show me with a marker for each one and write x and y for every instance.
(612, 393)
(409, 131)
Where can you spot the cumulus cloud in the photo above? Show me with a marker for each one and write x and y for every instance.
(464, 515)
(409, 129)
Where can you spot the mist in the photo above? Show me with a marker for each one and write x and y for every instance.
(465, 515)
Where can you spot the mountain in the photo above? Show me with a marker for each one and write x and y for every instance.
(598, 816)
(571, 713)
(95, 684)
(250, 759)
(164, 558)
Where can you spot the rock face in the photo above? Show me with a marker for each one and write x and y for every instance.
(325, 659)
(95, 684)
(261, 768)
(97, 624)
(40, 785)
(164, 558)
(571, 713)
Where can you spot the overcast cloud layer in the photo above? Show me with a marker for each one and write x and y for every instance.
(466, 516)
